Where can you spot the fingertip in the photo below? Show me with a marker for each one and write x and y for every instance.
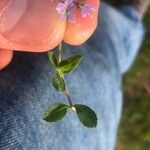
(5, 58)
(80, 31)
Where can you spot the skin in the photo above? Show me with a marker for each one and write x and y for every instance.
(35, 26)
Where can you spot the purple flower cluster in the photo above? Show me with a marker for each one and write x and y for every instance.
(66, 9)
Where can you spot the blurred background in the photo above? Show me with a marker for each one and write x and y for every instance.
(134, 132)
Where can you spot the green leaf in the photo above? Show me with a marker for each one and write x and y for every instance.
(55, 112)
(69, 64)
(86, 115)
(52, 58)
(58, 82)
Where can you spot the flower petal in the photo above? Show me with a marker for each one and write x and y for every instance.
(84, 27)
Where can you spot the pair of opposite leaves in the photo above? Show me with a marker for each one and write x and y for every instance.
(34, 25)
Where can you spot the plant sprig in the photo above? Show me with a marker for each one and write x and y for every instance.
(58, 110)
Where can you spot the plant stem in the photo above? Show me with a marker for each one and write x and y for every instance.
(68, 97)
(59, 52)
(67, 94)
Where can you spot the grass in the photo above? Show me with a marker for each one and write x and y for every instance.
(134, 132)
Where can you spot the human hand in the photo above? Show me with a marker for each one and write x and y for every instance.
(35, 25)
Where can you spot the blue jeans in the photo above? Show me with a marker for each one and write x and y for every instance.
(26, 91)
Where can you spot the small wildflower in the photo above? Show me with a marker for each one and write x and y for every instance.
(66, 10)
(86, 9)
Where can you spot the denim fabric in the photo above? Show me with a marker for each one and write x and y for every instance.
(26, 91)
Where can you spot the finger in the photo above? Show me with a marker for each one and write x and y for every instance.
(31, 25)
(83, 28)
(5, 58)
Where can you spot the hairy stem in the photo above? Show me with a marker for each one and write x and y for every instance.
(59, 52)
(67, 94)
(68, 97)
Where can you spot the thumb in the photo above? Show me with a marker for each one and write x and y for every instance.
(30, 25)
